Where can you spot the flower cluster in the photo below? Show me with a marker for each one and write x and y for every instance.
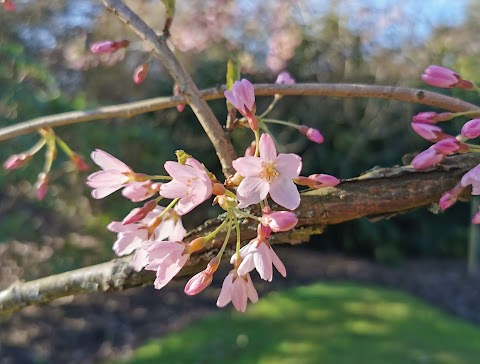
(425, 125)
(155, 233)
(50, 141)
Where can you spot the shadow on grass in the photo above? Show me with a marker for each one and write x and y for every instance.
(322, 323)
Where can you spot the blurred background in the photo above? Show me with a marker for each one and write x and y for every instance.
(46, 68)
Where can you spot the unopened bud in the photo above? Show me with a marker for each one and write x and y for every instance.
(16, 161)
(139, 213)
(471, 129)
(284, 78)
(41, 185)
(218, 189)
(140, 73)
(312, 134)
(108, 46)
(79, 162)
(176, 92)
(195, 245)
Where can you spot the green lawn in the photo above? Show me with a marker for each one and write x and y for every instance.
(332, 323)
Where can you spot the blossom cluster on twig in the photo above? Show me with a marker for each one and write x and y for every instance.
(425, 125)
(155, 233)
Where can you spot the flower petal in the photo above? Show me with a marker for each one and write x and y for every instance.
(225, 297)
(251, 191)
(289, 165)
(248, 166)
(284, 192)
(107, 161)
(267, 148)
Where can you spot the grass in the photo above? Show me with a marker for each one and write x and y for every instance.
(322, 323)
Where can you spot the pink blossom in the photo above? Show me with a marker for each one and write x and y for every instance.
(429, 132)
(445, 78)
(471, 129)
(312, 134)
(269, 173)
(167, 258)
(447, 146)
(472, 177)
(476, 218)
(426, 159)
(140, 191)
(16, 161)
(450, 197)
(137, 236)
(279, 220)
(238, 290)
(140, 73)
(114, 176)
(190, 184)
(284, 78)
(430, 117)
(108, 46)
(259, 255)
(323, 180)
(242, 97)
(202, 280)
(41, 186)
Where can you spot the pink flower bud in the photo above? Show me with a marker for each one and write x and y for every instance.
(284, 78)
(79, 162)
(472, 177)
(445, 78)
(430, 117)
(471, 129)
(429, 132)
(16, 161)
(242, 97)
(108, 46)
(139, 213)
(41, 185)
(312, 134)
(176, 92)
(140, 73)
(8, 5)
(323, 180)
(426, 159)
(202, 280)
(279, 220)
(447, 146)
(450, 197)
(476, 218)
(250, 151)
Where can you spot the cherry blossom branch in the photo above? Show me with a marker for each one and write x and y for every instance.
(380, 193)
(223, 147)
(129, 110)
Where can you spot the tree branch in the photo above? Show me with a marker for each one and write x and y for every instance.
(223, 147)
(379, 193)
(131, 109)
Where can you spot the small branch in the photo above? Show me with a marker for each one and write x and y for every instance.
(380, 193)
(213, 128)
(129, 110)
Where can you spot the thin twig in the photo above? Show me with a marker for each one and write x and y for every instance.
(213, 128)
(380, 193)
(129, 110)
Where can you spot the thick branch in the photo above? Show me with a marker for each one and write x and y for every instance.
(220, 141)
(380, 193)
(129, 110)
